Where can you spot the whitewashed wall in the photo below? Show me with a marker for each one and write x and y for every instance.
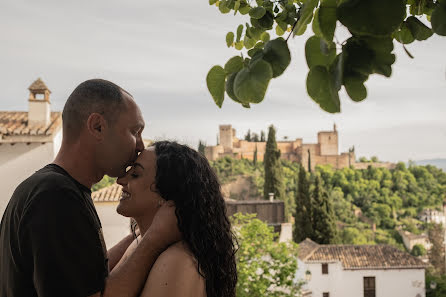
(19, 161)
(349, 283)
(114, 226)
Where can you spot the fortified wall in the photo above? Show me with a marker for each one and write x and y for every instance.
(324, 152)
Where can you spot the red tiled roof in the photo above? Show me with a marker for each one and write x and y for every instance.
(108, 194)
(15, 123)
(359, 256)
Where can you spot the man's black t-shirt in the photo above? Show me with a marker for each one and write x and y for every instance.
(51, 240)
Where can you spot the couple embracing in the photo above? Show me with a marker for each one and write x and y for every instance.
(51, 241)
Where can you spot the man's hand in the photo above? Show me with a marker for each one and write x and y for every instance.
(164, 228)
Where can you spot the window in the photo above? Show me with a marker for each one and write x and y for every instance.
(324, 268)
(369, 286)
(326, 294)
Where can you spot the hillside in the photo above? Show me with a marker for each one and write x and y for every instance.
(390, 199)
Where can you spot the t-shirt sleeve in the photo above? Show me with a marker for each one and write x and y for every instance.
(64, 246)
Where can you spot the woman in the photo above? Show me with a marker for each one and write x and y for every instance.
(203, 263)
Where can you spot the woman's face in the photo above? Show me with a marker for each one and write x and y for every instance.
(139, 197)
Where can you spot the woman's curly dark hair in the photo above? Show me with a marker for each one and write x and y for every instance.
(185, 176)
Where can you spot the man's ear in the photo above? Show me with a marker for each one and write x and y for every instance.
(96, 125)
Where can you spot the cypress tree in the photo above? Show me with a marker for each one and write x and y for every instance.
(262, 136)
(248, 135)
(273, 168)
(302, 223)
(201, 146)
(254, 159)
(324, 223)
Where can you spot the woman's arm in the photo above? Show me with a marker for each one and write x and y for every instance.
(175, 274)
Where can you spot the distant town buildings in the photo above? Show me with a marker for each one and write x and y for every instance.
(324, 152)
(28, 139)
(410, 240)
(359, 270)
(434, 216)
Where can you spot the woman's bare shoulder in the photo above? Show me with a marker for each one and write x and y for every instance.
(175, 273)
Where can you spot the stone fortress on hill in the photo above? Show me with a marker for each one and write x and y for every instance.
(324, 152)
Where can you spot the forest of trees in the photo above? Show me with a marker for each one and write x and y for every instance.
(359, 198)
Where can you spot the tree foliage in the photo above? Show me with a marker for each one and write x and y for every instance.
(437, 251)
(388, 198)
(373, 27)
(303, 225)
(265, 267)
(104, 182)
(273, 168)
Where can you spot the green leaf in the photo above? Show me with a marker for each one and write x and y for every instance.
(315, 25)
(215, 81)
(244, 8)
(251, 83)
(336, 71)
(235, 64)
(254, 51)
(404, 34)
(372, 18)
(257, 12)
(212, 2)
(419, 30)
(223, 7)
(239, 45)
(314, 55)
(321, 89)
(236, 6)
(327, 19)
(279, 31)
(438, 19)
(229, 39)
(276, 52)
(230, 87)
(306, 14)
(248, 42)
(266, 22)
(265, 37)
(239, 32)
(355, 88)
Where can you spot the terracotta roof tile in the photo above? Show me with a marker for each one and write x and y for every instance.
(359, 256)
(14, 123)
(38, 85)
(108, 194)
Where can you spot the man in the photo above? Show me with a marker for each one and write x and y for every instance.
(51, 240)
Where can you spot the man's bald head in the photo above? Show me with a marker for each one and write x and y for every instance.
(92, 96)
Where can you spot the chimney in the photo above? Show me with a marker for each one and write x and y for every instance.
(271, 197)
(39, 112)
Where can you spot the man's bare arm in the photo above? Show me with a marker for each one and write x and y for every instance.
(128, 279)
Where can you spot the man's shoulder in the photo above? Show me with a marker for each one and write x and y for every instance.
(49, 178)
(44, 183)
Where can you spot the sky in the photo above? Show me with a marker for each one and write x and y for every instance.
(161, 51)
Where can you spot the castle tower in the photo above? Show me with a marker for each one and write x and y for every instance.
(328, 142)
(39, 112)
(226, 136)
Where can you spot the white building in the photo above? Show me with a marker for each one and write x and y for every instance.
(410, 239)
(28, 140)
(359, 271)
(114, 226)
(434, 216)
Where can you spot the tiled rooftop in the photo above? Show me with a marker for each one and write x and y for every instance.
(359, 256)
(108, 194)
(15, 123)
(38, 85)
